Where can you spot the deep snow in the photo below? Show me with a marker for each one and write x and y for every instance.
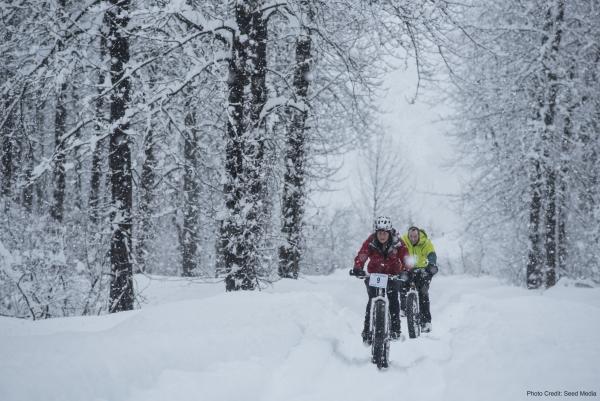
(300, 341)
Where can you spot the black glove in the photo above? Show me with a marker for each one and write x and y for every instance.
(431, 270)
(404, 276)
(358, 272)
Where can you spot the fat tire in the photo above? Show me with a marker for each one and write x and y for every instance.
(413, 317)
(379, 350)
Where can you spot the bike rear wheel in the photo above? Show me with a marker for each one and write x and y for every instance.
(413, 316)
(380, 347)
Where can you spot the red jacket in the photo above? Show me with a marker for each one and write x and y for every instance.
(387, 258)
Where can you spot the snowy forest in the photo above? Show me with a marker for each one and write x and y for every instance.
(188, 137)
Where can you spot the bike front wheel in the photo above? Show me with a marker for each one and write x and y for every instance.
(413, 316)
(380, 346)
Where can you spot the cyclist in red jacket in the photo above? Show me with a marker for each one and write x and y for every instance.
(386, 252)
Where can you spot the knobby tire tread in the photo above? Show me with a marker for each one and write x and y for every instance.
(379, 350)
(412, 316)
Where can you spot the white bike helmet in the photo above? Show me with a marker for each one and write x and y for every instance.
(383, 223)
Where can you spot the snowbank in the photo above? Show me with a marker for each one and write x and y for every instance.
(300, 341)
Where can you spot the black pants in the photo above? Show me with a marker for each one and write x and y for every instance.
(392, 295)
(422, 286)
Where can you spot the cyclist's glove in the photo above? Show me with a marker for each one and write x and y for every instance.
(431, 270)
(358, 272)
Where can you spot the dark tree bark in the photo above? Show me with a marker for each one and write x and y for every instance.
(28, 188)
(7, 155)
(60, 119)
(121, 288)
(562, 241)
(231, 242)
(98, 151)
(40, 183)
(7, 127)
(147, 184)
(60, 116)
(95, 179)
(294, 178)
(534, 262)
(553, 29)
(191, 197)
(550, 229)
(97, 155)
(147, 181)
(255, 175)
(241, 230)
(8, 146)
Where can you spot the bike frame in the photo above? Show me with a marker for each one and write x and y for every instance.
(416, 314)
(380, 297)
(380, 336)
(412, 289)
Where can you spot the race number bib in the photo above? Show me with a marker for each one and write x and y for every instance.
(378, 280)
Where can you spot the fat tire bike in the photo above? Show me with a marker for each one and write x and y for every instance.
(412, 307)
(413, 311)
(380, 319)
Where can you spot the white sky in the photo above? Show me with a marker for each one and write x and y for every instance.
(420, 139)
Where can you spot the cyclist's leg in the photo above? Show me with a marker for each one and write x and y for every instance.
(402, 293)
(370, 294)
(394, 303)
(423, 288)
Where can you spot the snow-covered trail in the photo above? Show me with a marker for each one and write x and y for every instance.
(300, 340)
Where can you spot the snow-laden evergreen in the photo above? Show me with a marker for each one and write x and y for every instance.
(526, 94)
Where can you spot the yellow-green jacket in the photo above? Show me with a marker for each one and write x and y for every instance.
(423, 252)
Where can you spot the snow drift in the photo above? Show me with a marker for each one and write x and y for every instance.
(300, 340)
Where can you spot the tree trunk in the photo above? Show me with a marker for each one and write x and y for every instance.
(294, 192)
(97, 155)
(121, 288)
(241, 231)
(255, 175)
(28, 188)
(57, 209)
(95, 181)
(147, 181)
(7, 149)
(550, 230)
(60, 118)
(550, 139)
(191, 197)
(230, 241)
(7, 129)
(534, 267)
(562, 188)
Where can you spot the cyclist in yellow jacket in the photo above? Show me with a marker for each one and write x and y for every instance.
(423, 253)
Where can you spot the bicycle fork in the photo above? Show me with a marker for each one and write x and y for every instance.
(374, 301)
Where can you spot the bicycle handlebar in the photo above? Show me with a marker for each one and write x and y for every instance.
(393, 277)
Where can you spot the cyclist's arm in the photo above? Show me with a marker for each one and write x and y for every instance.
(404, 256)
(432, 259)
(429, 250)
(363, 255)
